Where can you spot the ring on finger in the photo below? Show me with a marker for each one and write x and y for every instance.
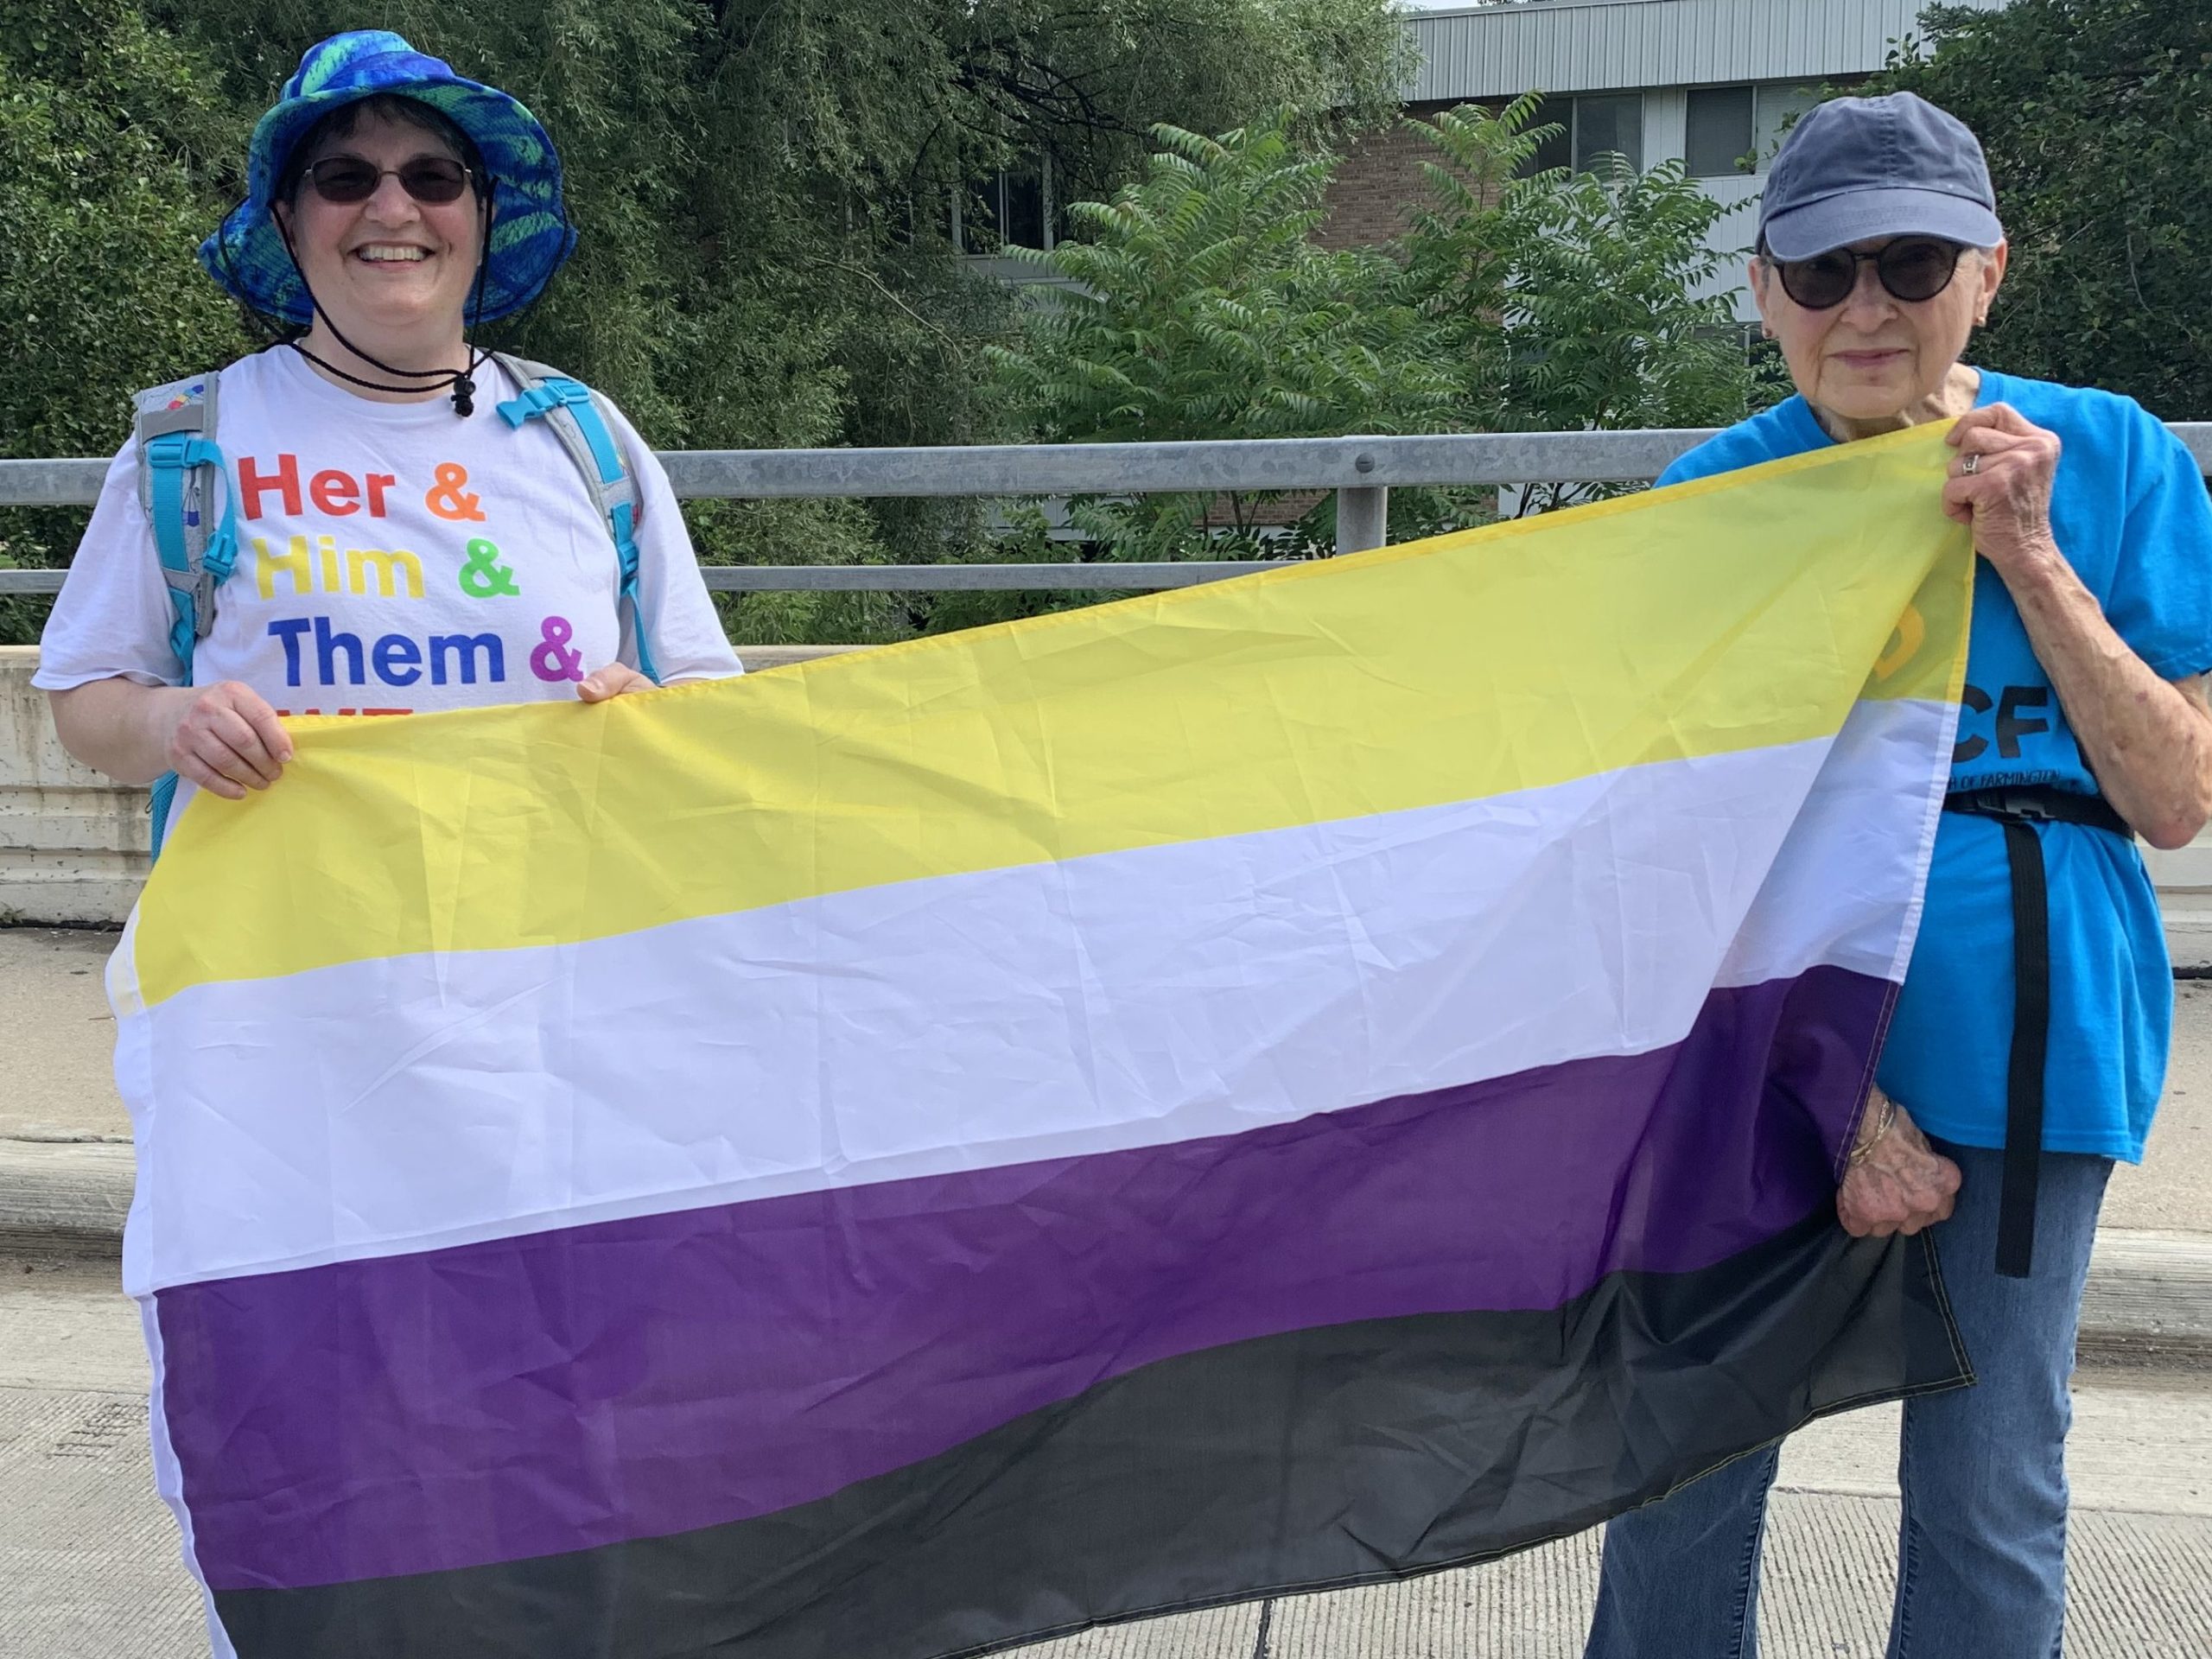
(1970, 464)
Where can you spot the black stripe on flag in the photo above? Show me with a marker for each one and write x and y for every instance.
(1320, 1458)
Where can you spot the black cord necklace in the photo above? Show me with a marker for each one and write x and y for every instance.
(462, 381)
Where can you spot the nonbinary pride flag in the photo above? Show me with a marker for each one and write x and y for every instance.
(1271, 1085)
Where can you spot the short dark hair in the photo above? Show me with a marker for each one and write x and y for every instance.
(391, 106)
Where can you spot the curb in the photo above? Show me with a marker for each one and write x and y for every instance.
(2149, 1294)
(65, 1198)
(2188, 918)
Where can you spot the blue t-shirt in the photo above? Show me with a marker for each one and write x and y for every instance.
(2130, 512)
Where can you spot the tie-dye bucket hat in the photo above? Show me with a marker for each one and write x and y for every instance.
(530, 233)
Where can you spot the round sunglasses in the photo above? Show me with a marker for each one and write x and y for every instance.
(432, 180)
(1912, 268)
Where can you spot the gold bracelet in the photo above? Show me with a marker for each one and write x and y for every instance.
(1889, 1117)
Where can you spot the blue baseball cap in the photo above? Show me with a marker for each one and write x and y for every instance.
(1855, 168)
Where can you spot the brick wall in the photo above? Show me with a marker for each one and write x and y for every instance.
(1378, 184)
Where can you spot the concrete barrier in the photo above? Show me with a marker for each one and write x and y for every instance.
(73, 844)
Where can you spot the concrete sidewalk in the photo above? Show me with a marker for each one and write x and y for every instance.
(58, 1038)
(66, 1166)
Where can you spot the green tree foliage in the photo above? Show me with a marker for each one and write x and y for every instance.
(1199, 307)
(1570, 301)
(96, 214)
(764, 190)
(98, 293)
(2092, 115)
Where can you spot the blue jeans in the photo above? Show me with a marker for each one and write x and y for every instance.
(1981, 1555)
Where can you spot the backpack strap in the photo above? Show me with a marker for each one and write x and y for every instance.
(180, 471)
(571, 410)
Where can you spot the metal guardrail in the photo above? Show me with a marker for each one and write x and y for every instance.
(1361, 470)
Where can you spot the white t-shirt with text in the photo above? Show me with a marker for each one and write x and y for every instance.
(392, 558)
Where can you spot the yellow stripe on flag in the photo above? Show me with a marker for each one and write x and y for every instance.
(1734, 612)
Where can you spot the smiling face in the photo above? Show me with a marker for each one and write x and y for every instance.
(390, 272)
(1874, 359)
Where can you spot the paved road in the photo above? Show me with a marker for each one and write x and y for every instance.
(88, 1558)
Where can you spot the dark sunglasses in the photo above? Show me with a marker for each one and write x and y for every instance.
(434, 180)
(1912, 268)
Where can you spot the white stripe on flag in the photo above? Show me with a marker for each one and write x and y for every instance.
(1129, 999)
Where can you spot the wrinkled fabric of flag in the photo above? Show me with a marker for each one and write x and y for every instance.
(1291, 1083)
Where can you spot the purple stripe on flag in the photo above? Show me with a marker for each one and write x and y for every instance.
(636, 1378)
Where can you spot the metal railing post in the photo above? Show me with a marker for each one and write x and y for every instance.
(1362, 517)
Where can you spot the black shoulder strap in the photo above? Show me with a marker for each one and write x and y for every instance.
(2017, 811)
(2023, 1074)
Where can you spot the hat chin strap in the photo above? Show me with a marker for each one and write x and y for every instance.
(462, 380)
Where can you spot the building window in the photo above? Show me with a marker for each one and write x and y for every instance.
(1013, 207)
(1719, 133)
(1730, 125)
(1779, 103)
(1611, 125)
(1600, 125)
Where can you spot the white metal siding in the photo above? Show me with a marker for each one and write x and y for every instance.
(1575, 45)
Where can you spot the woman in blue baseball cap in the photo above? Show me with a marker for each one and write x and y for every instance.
(2029, 1044)
(376, 515)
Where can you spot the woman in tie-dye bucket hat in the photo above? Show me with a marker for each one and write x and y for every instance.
(500, 162)
(398, 545)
